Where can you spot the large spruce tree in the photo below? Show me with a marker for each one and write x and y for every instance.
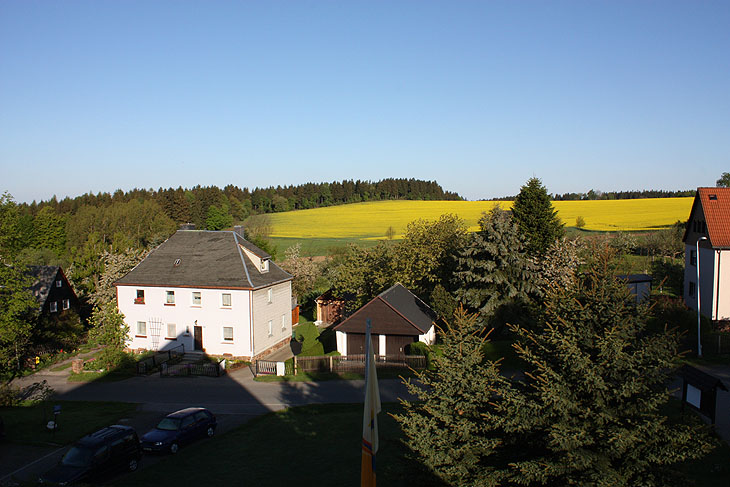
(494, 276)
(537, 219)
(588, 411)
(454, 426)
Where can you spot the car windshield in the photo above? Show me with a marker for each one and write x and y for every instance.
(169, 424)
(77, 457)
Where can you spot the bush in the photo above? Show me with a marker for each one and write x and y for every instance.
(110, 359)
(8, 395)
(417, 348)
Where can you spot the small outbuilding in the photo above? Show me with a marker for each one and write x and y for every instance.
(639, 285)
(398, 318)
(330, 308)
(699, 390)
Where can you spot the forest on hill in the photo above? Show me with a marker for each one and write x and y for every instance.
(197, 204)
(594, 194)
(75, 232)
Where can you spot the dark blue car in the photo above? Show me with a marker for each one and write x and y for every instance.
(178, 429)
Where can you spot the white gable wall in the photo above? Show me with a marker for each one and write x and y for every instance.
(278, 311)
(429, 338)
(211, 315)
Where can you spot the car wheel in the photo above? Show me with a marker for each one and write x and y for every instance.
(174, 448)
(133, 464)
(210, 431)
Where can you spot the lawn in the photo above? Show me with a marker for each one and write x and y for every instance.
(319, 445)
(27, 424)
(307, 446)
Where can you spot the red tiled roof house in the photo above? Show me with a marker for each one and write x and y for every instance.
(709, 223)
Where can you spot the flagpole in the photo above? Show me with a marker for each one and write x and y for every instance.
(370, 419)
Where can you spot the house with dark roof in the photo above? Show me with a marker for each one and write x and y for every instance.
(52, 290)
(708, 230)
(212, 291)
(398, 318)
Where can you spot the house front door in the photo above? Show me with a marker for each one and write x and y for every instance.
(198, 338)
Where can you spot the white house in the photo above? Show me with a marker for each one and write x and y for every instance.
(709, 223)
(211, 291)
(397, 318)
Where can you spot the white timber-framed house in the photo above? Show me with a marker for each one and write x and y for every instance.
(211, 291)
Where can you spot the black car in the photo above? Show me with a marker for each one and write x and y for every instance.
(97, 455)
(179, 428)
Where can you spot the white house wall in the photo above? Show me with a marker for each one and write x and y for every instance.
(275, 311)
(709, 260)
(210, 315)
(341, 338)
(721, 285)
(429, 338)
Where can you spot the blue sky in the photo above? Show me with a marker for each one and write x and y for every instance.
(480, 96)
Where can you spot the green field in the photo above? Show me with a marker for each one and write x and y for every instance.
(321, 229)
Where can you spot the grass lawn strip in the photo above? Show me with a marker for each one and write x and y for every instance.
(27, 424)
(309, 446)
(319, 445)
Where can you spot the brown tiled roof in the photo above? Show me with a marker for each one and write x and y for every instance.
(395, 311)
(715, 205)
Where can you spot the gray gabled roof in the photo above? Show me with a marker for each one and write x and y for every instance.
(410, 306)
(204, 259)
(394, 311)
(44, 277)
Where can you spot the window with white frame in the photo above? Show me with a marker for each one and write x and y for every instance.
(66, 303)
(59, 283)
(54, 306)
(283, 323)
(271, 327)
(226, 300)
(196, 298)
(140, 297)
(170, 297)
(171, 330)
(228, 333)
(270, 295)
(142, 328)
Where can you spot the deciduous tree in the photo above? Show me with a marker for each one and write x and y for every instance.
(724, 181)
(304, 270)
(18, 310)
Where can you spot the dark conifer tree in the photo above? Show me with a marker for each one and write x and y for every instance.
(537, 219)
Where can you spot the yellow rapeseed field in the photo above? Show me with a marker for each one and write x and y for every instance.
(371, 220)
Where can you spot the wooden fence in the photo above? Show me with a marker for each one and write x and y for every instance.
(718, 343)
(338, 364)
(210, 369)
(356, 363)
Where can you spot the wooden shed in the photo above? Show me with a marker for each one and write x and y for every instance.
(398, 318)
(330, 309)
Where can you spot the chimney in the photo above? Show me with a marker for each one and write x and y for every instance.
(187, 226)
(239, 230)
